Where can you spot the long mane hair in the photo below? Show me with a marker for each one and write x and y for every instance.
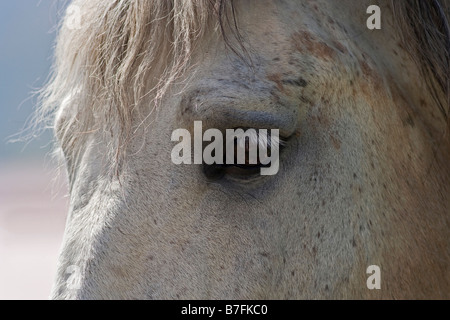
(125, 51)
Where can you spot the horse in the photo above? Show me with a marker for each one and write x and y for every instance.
(364, 172)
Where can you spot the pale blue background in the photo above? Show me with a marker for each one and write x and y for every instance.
(27, 32)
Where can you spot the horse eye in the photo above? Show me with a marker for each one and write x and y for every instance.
(250, 166)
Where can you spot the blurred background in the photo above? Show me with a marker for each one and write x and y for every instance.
(33, 193)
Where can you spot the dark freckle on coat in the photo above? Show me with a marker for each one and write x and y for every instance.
(367, 71)
(422, 102)
(300, 82)
(336, 142)
(409, 121)
(305, 100)
(353, 242)
(339, 47)
(276, 59)
(354, 176)
(326, 287)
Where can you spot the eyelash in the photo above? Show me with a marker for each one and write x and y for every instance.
(243, 171)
